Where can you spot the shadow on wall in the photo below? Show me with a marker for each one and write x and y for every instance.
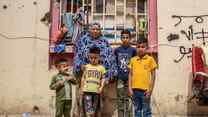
(195, 106)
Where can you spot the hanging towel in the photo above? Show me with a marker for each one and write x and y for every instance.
(69, 23)
(197, 67)
(197, 62)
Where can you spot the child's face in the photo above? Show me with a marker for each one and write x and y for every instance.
(63, 67)
(94, 58)
(141, 48)
(125, 38)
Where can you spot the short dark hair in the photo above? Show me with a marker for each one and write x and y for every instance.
(61, 60)
(125, 31)
(95, 50)
(141, 40)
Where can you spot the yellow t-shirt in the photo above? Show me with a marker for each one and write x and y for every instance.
(141, 71)
(93, 77)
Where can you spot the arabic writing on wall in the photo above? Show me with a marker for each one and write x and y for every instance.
(190, 33)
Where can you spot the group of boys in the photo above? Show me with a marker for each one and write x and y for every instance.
(135, 80)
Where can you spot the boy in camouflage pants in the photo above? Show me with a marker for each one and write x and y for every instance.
(62, 84)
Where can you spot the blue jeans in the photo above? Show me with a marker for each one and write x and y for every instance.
(141, 104)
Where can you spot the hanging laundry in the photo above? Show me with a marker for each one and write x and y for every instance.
(60, 34)
(61, 39)
(197, 61)
(197, 67)
(55, 23)
(69, 25)
(78, 24)
(60, 48)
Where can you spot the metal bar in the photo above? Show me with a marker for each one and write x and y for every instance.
(77, 5)
(103, 22)
(83, 2)
(72, 6)
(60, 13)
(136, 15)
(115, 23)
(146, 12)
(92, 10)
(125, 4)
(88, 11)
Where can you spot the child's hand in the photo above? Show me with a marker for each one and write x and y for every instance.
(130, 92)
(61, 82)
(100, 90)
(67, 78)
(66, 69)
(148, 93)
(82, 67)
(80, 92)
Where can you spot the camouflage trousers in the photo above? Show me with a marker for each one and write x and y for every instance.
(63, 107)
(124, 104)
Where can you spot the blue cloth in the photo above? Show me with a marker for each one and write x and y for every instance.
(123, 56)
(141, 104)
(69, 23)
(107, 59)
(60, 48)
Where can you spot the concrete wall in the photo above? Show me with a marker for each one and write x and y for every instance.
(174, 78)
(24, 61)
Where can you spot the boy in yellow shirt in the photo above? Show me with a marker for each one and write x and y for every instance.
(92, 83)
(142, 79)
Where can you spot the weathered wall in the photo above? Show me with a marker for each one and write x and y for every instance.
(24, 61)
(173, 76)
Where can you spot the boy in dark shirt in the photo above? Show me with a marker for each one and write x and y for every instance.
(123, 55)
